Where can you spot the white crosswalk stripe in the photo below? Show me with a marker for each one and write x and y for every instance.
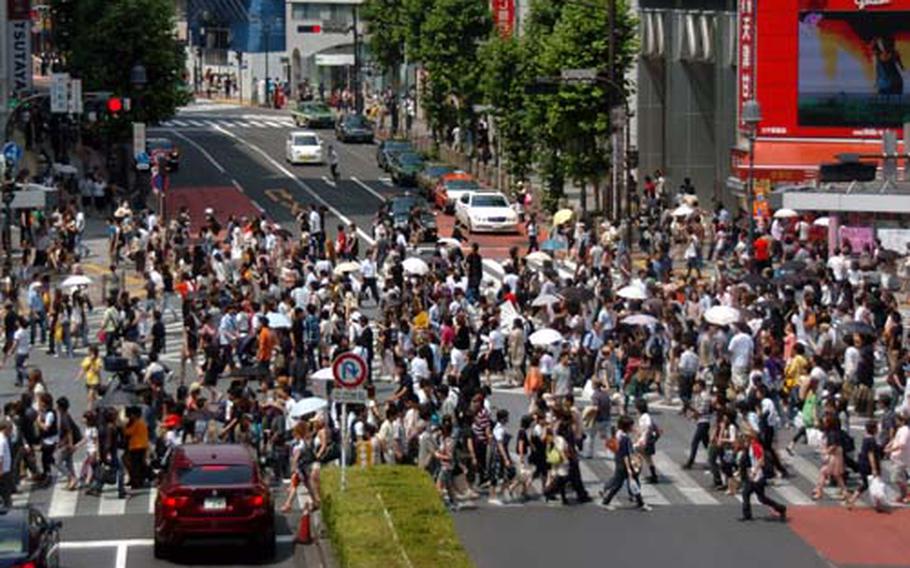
(683, 482)
(229, 122)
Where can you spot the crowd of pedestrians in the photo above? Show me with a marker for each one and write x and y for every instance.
(669, 307)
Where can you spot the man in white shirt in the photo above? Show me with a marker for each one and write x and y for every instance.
(21, 346)
(740, 347)
(838, 265)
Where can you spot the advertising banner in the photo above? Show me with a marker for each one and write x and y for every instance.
(858, 237)
(827, 68)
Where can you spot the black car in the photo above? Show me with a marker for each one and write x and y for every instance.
(164, 147)
(390, 148)
(28, 539)
(408, 207)
(404, 168)
(354, 128)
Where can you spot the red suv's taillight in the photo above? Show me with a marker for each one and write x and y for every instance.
(173, 503)
(27, 564)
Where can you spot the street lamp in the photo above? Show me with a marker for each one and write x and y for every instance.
(751, 115)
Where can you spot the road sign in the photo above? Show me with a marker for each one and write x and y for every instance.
(138, 138)
(350, 370)
(578, 74)
(59, 92)
(13, 153)
(74, 103)
(143, 162)
(353, 396)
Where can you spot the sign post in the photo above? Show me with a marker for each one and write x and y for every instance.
(349, 370)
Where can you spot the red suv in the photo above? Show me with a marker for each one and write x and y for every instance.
(210, 491)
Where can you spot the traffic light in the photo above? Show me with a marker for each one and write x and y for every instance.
(309, 29)
(114, 105)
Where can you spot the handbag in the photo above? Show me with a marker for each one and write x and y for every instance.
(554, 456)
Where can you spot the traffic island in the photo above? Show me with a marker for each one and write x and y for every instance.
(389, 516)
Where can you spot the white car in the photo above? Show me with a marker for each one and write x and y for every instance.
(304, 147)
(486, 211)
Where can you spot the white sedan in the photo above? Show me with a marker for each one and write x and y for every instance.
(483, 211)
(304, 147)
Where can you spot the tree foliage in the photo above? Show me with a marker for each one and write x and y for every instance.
(101, 41)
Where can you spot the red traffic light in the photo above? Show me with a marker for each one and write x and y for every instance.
(114, 104)
(309, 29)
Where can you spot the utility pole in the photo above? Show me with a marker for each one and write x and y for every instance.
(611, 75)
(267, 29)
(4, 72)
(239, 55)
(358, 94)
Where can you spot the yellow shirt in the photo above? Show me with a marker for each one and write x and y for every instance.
(92, 369)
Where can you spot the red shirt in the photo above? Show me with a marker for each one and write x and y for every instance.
(762, 249)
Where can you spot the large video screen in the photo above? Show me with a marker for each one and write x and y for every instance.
(853, 69)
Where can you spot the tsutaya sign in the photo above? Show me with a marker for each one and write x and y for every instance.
(19, 56)
(862, 4)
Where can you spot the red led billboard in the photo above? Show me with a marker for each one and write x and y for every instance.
(826, 68)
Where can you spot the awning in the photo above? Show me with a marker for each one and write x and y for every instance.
(798, 160)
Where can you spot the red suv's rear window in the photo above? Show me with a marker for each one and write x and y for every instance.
(215, 475)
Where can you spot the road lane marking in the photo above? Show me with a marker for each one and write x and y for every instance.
(791, 494)
(344, 218)
(176, 123)
(378, 195)
(153, 496)
(128, 542)
(691, 490)
(329, 182)
(63, 502)
(649, 492)
(205, 152)
(110, 504)
(120, 559)
(273, 124)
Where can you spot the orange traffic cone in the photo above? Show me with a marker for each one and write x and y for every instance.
(304, 530)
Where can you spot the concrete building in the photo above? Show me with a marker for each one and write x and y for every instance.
(320, 41)
(687, 92)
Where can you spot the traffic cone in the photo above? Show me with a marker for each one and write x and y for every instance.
(304, 530)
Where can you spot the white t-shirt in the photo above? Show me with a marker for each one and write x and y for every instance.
(740, 350)
(23, 341)
(901, 442)
(49, 420)
(6, 456)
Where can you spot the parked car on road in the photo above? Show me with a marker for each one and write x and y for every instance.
(354, 128)
(429, 176)
(388, 149)
(485, 211)
(404, 168)
(28, 539)
(408, 209)
(211, 491)
(452, 186)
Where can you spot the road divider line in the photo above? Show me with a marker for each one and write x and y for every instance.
(153, 496)
(120, 559)
(375, 193)
(345, 219)
(199, 147)
(691, 490)
(128, 542)
(328, 181)
(63, 502)
(648, 491)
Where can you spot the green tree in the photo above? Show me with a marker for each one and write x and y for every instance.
(449, 40)
(385, 26)
(101, 41)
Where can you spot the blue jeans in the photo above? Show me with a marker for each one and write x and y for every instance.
(21, 374)
(38, 318)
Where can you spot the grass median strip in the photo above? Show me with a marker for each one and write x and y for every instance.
(389, 516)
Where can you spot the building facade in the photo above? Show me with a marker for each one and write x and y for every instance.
(687, 92)
(320, 42)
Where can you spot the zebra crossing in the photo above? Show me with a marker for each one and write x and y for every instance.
(173, 334)
(678, 487)
(229, 122)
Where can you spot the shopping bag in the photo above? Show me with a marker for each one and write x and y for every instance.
(815, 438)
(877, 490)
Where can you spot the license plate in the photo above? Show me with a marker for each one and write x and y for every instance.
(497, 220)
(215, 504)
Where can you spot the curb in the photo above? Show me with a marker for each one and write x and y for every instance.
(319, 554)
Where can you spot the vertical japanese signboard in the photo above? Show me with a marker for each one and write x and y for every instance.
(746, 67)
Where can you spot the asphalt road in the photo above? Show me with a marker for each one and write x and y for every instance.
(233, 159)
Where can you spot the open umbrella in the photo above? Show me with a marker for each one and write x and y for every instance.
(632, 293)
(553, 244)
(639, 319)
(308, 405)
(785, 214)
(347, 267)
(577, 294)
(860, 327)
(822, 222)
(545, 337)
(722, 315)
(76, 280)
(278, 321)
(323, 374)
(793, 266)
(562, 216)
(683, 211)
(415, 266)
(538, 256)
(545, 300)
(449, 242)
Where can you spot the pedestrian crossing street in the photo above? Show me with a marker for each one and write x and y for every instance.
(693, 487)
(229, 122)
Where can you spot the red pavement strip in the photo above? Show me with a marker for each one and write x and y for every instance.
(226, 201)
(860, 537)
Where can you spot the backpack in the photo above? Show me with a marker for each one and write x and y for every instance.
(74, 429)
(655, 350)
(654, 433)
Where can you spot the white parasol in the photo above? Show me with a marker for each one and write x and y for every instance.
(785, 214)
(722, 315)
(347, 267)
(639, 319)
(308, 405)
(76, 280)
(632, 292)
(545, 337)
(415, 266)
(545, 300)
